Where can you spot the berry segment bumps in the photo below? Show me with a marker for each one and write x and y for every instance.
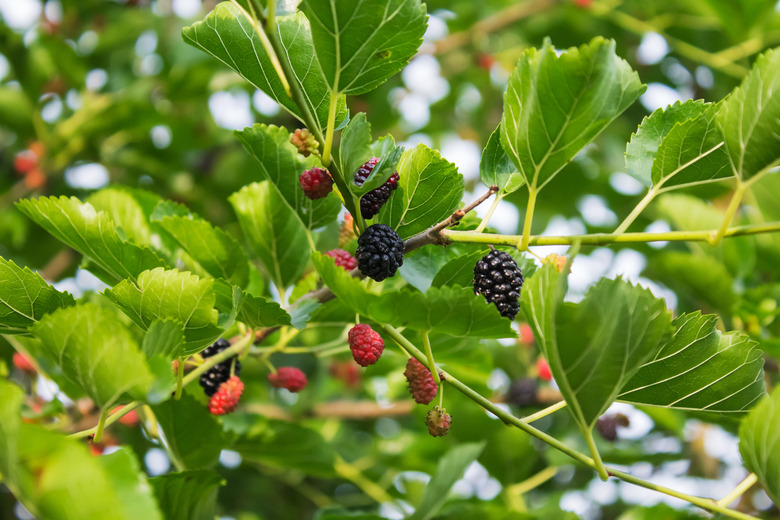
(218, 374)
(316, 183)
(227, 397)
(366, 344)
(372, 202)
(421, 384)
(290, 378)
(380, 252)
(343, 258)
(438, 422)
(304, 141)
(499, 280)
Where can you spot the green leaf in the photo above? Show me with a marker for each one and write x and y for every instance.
(737, 18)
(759, 443)
(383, 170)
(125, 212)
(496, 168)
(190, 495)
(96, 352)
(193, 435)
(450, 469)
(429, 190)
(165, 338)
(176, 295)
(360, 43)
(258, 312)
(281, 163)
(355, 145)
(301, 311)
(459, 271)
(277, 238)
(750, 118)
(556, 104)
(644, 143)
(25, 297)
(228, 34)
(218, 253)
(56, 478)
(696, 278)
(701, 369)
(92, 234)
(596, 346)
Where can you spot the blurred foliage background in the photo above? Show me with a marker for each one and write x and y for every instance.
(98, 92)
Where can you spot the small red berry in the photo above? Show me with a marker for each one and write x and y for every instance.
(421, 384)
(25, 161)
(288, 377)
(227, 397)
(347, 231)
(24, 363)
(526, 335)
(543, 369)
(343, 258)
(438, 422)
(128, 419)
(366, 344)
(347, 371)
(316, 183)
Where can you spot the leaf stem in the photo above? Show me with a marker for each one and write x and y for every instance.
(489, 214)
(179, 377)
(429, 357)
(739, 490)
(649, 196)
(100, 425)
(329, 130)
(529, 216)
(731, 211)
(594, 451)
(270, 18)
(544, 413)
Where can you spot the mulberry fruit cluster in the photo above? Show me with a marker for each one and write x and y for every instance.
(499, 280)
(366, 344)
(372, 201)
(421, 384)
(304, 141)
(438, 422)
(607, 425)
(343, 258)
(227, 397)
(316, 183)
(218, 374)
(380, 252)
(523, 392)
(290, 378)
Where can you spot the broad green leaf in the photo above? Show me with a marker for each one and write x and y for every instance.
(496, 168)
(692, 153)
(95, 351)
(429, 190)
(594, 347)
(361, 43)
(56, 478)
(750, 118)
(644, 143)
(228, 34)
(218, 253)
(556, 104)
(383, 170)
(355, 145)
(701, 369)
(165, 338)
(695, 278)
(459, 271)
(759, 443)
(172, 294)
(190, 495)
(280, 162)
(277, 238)
(351, 291)
(25, 297)
(450, 469)
(258, 312)
(127, 215)
(92, 234)
(193, 435)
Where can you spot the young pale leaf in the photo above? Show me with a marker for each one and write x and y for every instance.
(194, 435)
(355, 145)
(165, 338)
(759, 443)
(429, 190)
(596, 346)
(750, 118)
(280, 162)
(25, 297)
(496, 168)
(190, 495)
(126, 213)
(556, 104)
(87, 341)
(691, 153)
(56, 478)
(359, 43)
(258, 312)
(218, 253)
(450, 469)
(92, 234)
(641, 149)
(228, 33)
(277, 237)
(701, 369)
